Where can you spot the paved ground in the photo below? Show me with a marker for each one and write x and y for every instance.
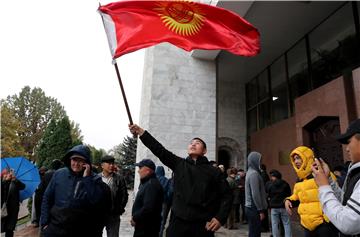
(126, 230)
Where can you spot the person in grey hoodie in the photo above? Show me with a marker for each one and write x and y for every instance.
(255, 196)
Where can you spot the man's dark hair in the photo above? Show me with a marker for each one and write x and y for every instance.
(212, 162)
(357, 136)
(275, 173)
(56, 164)
(201, 140)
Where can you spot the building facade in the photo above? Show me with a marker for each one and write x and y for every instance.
(302, 89)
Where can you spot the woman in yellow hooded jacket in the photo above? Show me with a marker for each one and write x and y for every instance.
(305, 195)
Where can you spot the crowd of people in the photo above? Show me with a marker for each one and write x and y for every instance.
(317, 192)
(201, 196)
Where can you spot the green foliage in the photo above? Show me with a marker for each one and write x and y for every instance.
(96, 155)
(10, 128)
(76, 136)
(125, 155)
(34, 110)
(55, 142)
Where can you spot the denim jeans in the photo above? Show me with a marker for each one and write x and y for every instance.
(276, 214)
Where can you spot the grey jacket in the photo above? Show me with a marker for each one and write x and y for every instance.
(255, 195)
(344, 217)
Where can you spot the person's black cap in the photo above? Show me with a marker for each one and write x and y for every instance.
(146, 162)
(107, 159)
(354, 127)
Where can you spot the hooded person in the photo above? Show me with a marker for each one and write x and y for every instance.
(255, 196)
(305, 195)
(76, 201)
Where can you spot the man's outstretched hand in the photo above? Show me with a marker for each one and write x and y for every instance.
(136, 130)
(213, 225)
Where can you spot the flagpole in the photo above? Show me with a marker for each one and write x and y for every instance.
(123, 93)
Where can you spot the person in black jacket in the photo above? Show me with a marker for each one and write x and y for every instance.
(202, 198)
(147, 207)
(119, 195)
(39, 192)
(10, 194)
(37, 199)
(277, 190)
(265, 222)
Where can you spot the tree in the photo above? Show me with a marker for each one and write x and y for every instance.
(10, 127)
(55, 143)
(76, 136)
(45, 144)
(96, 155)
(125, 154)
(34, 110)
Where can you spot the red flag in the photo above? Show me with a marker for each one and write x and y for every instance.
(132, 25)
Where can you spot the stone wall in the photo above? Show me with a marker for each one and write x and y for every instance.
(231, 116)
(178, 101)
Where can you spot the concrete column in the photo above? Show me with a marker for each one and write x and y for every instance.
(178, 101)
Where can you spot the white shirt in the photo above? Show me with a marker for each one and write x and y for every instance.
(108, 180)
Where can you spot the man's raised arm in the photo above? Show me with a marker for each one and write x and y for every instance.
(165, 156)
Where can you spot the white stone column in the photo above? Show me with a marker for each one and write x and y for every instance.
(178, 101)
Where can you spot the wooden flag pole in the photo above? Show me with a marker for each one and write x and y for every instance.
(123, 93)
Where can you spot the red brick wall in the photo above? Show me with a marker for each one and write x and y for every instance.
(276, 141)
(328, 100)
(356, 82)
(279, 139)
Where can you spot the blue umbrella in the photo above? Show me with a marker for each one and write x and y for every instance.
(24, 171)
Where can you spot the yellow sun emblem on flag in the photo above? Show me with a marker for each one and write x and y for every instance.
(182, 17)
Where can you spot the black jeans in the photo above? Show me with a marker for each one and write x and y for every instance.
(237, 212)
(182, 228)
(253, 217)
(323, 230)
(9, 233)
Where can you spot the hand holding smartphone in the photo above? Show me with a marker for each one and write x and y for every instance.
(87, 170)
(321, 172)
(317, 164)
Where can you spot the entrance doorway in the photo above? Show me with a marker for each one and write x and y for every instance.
(224, 158)
(322, 132)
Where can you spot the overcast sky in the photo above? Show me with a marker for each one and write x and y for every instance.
(61, 47)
